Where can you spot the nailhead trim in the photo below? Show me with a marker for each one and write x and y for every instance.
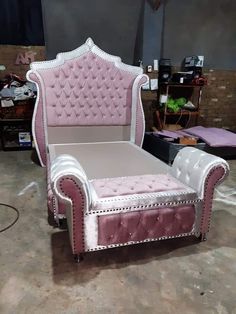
(55, 212)
(137, 242)
(79, 188)
(91, 212)
(141, 196)
(206, 214)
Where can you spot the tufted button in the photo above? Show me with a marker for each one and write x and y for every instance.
(157, 218)
(130, 234)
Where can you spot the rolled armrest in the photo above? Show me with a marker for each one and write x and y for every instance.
(70, 184)
(202, 172)
(192, 167)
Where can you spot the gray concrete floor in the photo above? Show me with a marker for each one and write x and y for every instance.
(38, 275)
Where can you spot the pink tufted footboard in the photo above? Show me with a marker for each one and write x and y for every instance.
(151, 224)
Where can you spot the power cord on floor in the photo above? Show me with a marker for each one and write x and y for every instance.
(15, 220)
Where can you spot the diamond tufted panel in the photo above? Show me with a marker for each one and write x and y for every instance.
(142, 225)
(136, 185)
(87, 90)
(140, 192)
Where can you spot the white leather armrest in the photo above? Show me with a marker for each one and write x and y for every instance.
(191, 166)
(67, 166)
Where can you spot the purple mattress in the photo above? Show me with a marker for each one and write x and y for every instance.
(214, 137)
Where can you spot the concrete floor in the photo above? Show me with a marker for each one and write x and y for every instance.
(38, 275)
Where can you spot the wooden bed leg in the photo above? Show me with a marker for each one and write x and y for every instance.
(78, 258)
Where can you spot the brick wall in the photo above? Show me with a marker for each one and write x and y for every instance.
(218, 104)
(10, 53)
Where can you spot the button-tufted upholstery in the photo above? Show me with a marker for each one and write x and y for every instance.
(137, 185)
(191, 167)
(82, 88)
(112, 192)
(144, 225)
(87, 91)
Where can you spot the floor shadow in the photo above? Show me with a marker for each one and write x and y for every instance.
(67, 272)
(34, 157)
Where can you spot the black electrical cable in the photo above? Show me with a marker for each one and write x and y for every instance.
(17, 216)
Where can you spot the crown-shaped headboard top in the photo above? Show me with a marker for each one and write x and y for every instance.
(86, 86)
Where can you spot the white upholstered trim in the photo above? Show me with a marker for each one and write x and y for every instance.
(66, 165)
(191, 166)
(142, 112)
(100, 247)
(86, 47)
(34, 118)
(43, 96)
(135, 94)
(144, 201)
(90, 231)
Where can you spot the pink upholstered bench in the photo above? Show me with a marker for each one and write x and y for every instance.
(136, 208)
(88, 128)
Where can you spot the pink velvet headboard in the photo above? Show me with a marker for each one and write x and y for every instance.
(86, 87)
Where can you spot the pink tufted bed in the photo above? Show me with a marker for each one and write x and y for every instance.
(88, 127)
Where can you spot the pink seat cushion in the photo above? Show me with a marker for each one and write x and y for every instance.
(140, 192)
(136, 185)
